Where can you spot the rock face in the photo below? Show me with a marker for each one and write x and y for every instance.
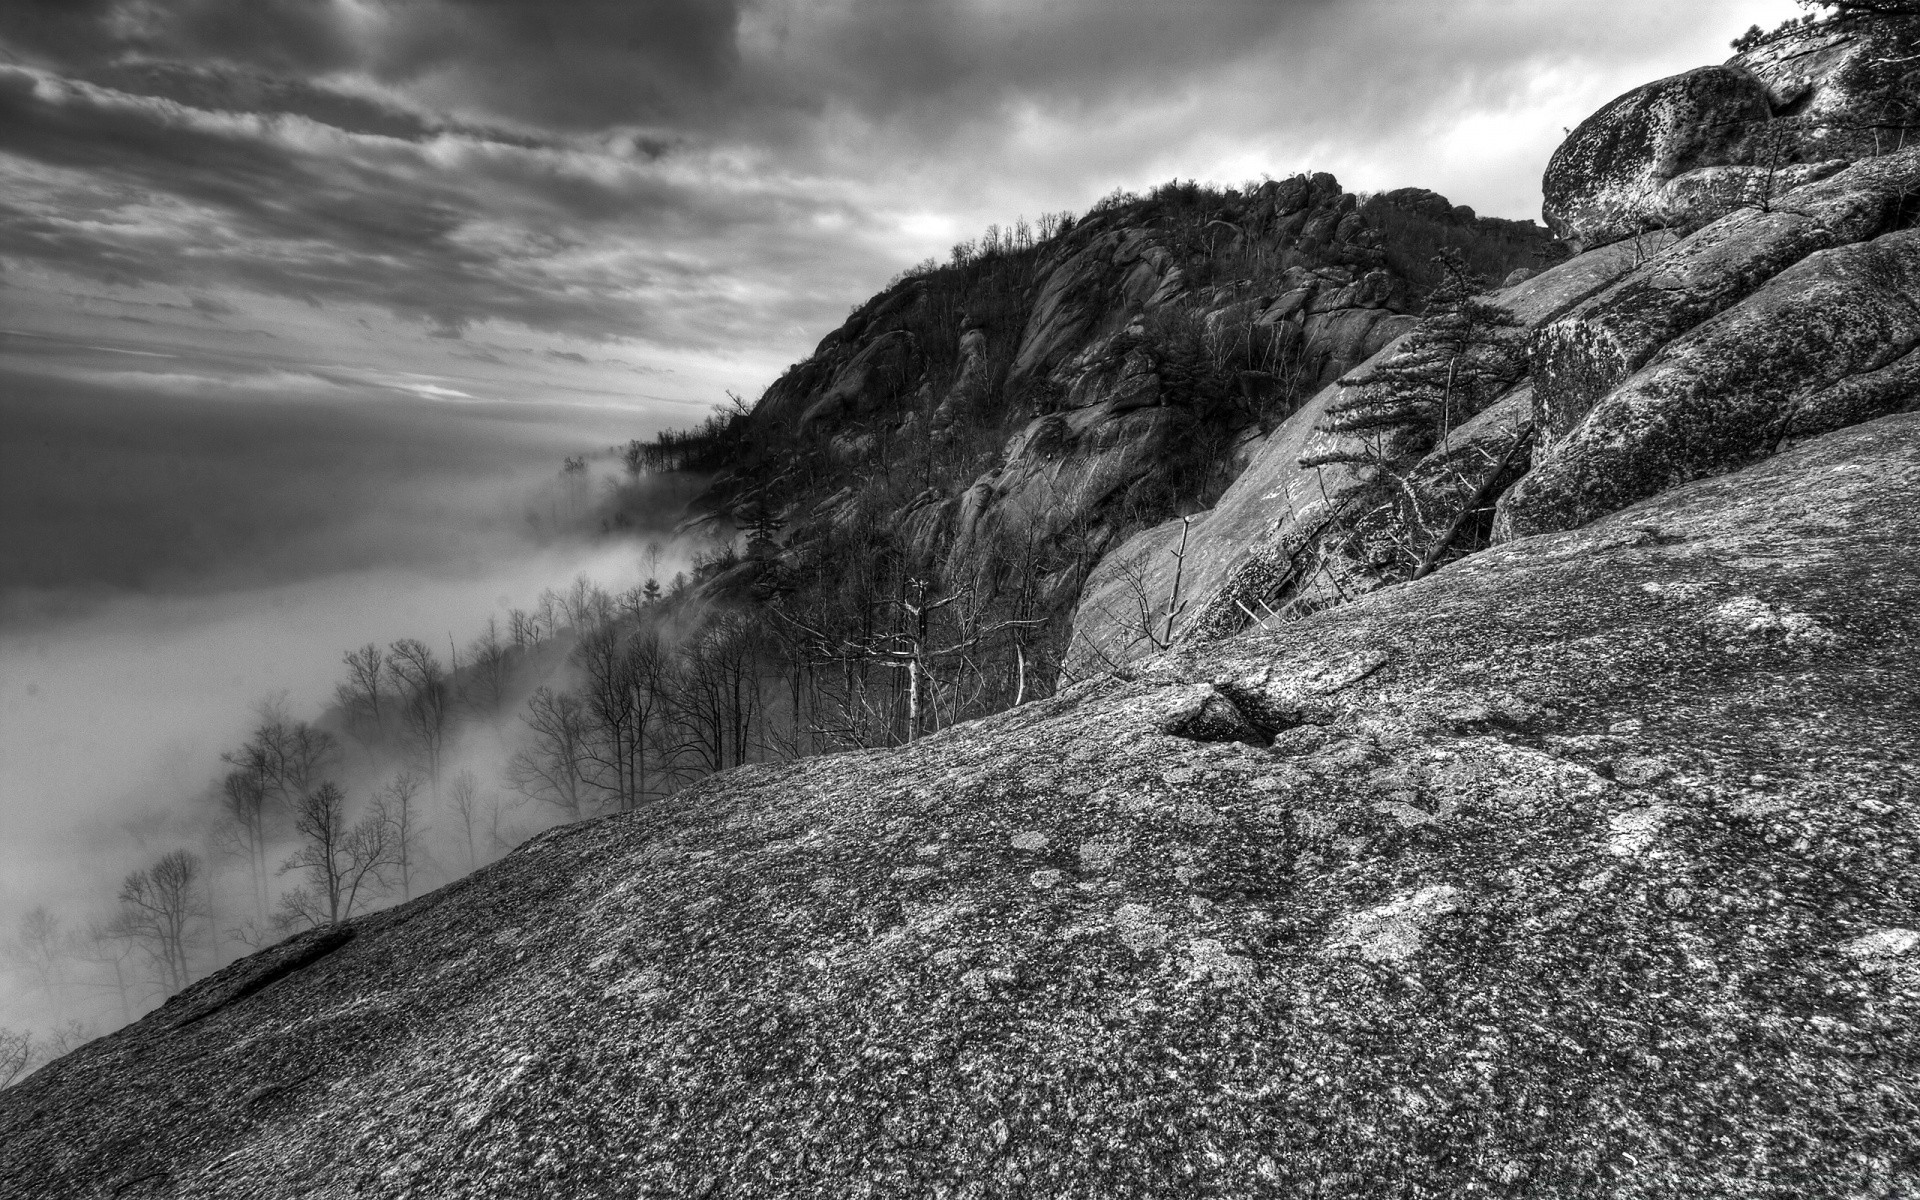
(1260, 545)
(1099, 381)
(1611, 170)
(1732, 390)
(1706, 340)
(1683, 151)
(1582, 867)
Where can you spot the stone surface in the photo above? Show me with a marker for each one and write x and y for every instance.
(1230, 970)
(1583, 356)
(1604, 175)
(1243, 551)
(1728, 392)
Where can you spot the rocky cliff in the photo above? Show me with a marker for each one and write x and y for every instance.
(1001, 422)
(1580, 864)
(1745, 283)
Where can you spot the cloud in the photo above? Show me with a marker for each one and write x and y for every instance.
(702, 176)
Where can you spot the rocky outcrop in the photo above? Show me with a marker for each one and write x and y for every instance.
(1103, 380)
(1606, 179)
(1684, 151)
(1258, 548)
(1593, 350)
(1582, 867)
(1728, 392)
(1653, 359)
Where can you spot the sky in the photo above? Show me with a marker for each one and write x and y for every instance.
(303, 302)
(658, 200)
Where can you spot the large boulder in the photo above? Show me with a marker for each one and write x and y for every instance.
(1592, 350)
(1583, 867)
(1846, 89)
(1728, 392)
(1602, 178)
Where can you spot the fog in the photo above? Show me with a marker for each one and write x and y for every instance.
(187, 539)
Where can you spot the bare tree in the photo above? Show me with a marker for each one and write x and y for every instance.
(160, 907)
(397, 805)
(345, 865)
(489, 672)
(288, 757)
(111, 945)
(464, 798)
(557, 767)
(364, 695)
(421, 686)
(37, 946)
(243, 796)
(17, 1055)
(609, 703)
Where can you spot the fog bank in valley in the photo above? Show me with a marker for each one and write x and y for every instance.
(189, 544)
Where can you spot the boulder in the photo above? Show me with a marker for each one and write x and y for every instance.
(1573, 869)
(1846, 89)
(1728, 392)
(1601, 178)
(1581, 357)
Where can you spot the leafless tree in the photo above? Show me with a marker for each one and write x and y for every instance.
(464, 799)
(288, 757)
(243, 794)
(556, 768)
(344, 864)
(421, 687)
(398, 806)
(364, 695)
(489, 671)
(111, 945)
(37, 946)
(17, 1055)
(160, 907)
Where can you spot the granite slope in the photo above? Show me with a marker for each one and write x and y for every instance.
(1584, 866)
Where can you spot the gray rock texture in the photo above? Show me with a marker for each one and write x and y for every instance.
(1248, 553)
(1582, 867)
(1684, 151)
(1687, 343)
(1728, 392)
(1607, 176)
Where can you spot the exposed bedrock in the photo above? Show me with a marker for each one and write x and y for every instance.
(1682, 151)
(1728, 392)
(1595, 348)
(1604, 177)
(1580, 868)
(1249, 547)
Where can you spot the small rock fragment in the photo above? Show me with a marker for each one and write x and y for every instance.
(1031, 841)
(1394, 931)
(1208, 961)
(1640, 770)
(1141, 928)
(1881, 949)
(1633, 831)
(1099, 854)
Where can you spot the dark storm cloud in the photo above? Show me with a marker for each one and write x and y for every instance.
(450, 229)
(583, 63)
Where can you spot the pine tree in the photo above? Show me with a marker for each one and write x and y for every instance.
(1465, 352)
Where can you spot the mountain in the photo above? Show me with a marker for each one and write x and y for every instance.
(1523, 801)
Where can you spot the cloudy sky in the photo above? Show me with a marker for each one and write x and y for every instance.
(649, 201)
